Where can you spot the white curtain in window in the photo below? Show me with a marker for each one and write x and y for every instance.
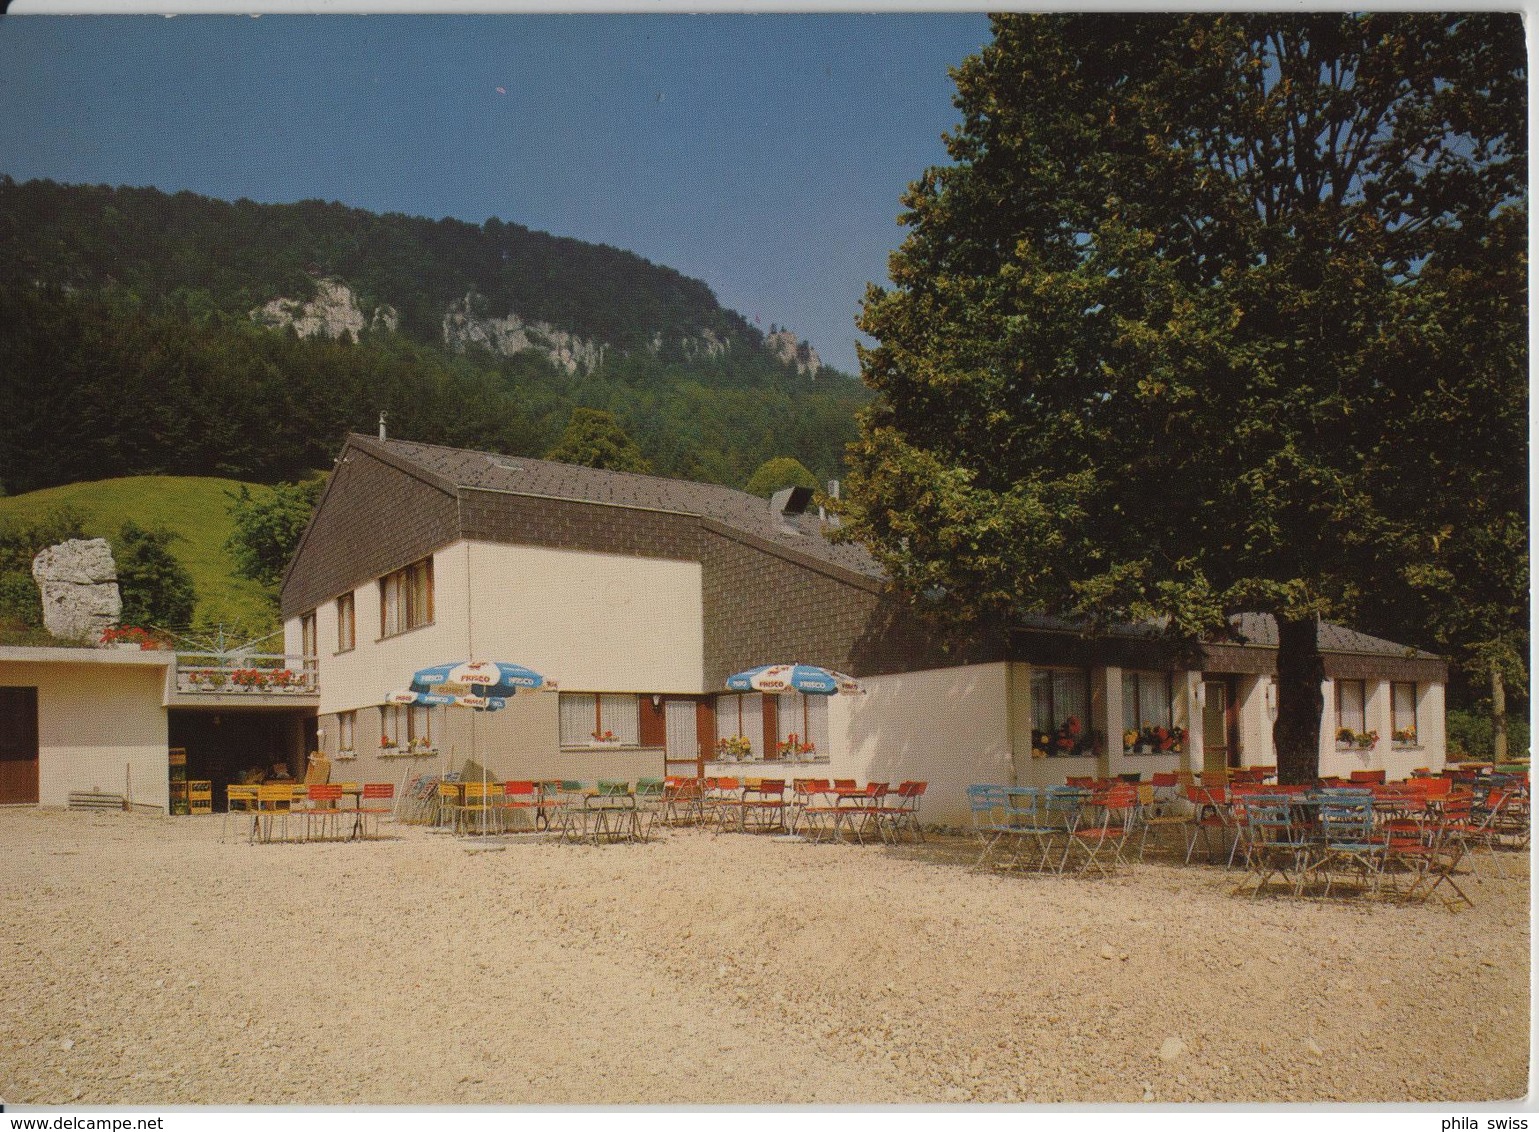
(577, 718)
(390, 724)
(1042, 700)
(1349, 705)
(390, 604)
(753, 722)
(622, 715)
(1404, 706)
(1071, 696)
(679, 718)
(789, 708)
(817, 722)
(347, 725)
(1130, 719)
(420, 723)
(1154, 698)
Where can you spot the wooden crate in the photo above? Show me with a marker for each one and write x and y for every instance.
(200, 795)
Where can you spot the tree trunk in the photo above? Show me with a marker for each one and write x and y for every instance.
(1498, 715)
(1300, 702)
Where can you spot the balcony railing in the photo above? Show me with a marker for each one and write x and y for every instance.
(240, 674)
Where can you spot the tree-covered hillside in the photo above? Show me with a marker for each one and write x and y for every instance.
(128, 346)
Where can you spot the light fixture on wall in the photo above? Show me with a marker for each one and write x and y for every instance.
(657, 700)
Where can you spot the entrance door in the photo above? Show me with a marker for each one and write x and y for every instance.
(682, 745)
(1220, 725)
(18, 745)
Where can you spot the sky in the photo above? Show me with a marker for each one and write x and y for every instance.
(763, 154)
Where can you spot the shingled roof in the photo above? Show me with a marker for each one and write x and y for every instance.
(1259, 630)
(521, 475)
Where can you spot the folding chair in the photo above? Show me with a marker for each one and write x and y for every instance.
(520, 799)
(1274, 846)
(764, 805)
(903, 814)
(987, 806)
(649, 804)
(274, 801)
(322, 806)
(1349, 842)
(1157, 815)
(376, 800)
(237, 799)
(1100, 841)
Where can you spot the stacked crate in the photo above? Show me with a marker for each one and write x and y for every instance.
(178, 762)
(200, 796)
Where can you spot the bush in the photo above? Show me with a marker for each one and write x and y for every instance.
(1470, 733)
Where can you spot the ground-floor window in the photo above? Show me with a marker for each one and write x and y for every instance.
(1403, 708)
(600, 718)
(801, 725)
(740, 725)
(1060, 712)
(1148, 708)
(1351, 711)
(406, 726)
(347, 728)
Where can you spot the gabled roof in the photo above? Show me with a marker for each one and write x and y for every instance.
(521, 475)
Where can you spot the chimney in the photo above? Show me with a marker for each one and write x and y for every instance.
(823, 515)
(382, 426)
(790, 501)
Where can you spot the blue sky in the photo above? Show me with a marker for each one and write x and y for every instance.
(763, 154)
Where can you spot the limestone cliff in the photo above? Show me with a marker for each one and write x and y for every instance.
(785, 347)
(333, 311)
(510, 335)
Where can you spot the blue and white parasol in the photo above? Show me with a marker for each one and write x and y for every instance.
(479, 678)
(440, 699)
(808, 679)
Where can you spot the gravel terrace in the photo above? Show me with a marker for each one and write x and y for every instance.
(145, 962)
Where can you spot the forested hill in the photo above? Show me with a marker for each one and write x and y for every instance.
(144, 332)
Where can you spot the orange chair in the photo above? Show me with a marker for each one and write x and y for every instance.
(522, 798)
(377, 800)
(1101, 841)
(1368, 777)
(324, 806)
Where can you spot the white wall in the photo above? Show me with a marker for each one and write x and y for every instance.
(591, 622)
(949, 727)
(101, 726)
(588, 622)
(1431, 749)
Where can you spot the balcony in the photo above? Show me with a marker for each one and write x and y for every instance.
(243, 678)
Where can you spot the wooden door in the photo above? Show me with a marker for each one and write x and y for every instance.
(18, 746)
(1220, 725)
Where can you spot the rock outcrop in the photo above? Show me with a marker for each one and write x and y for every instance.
(79, 585)
(509, 335)
(333, 312)
(785, 347)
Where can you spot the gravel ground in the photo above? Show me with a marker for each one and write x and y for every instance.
(145, 962)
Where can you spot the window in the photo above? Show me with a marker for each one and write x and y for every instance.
(1060, 712)
(1403, 712)
(347, 629)
(307, 646)
(347, 728)
(1351, 710)
(742, 716)
(588, 718)
(406, 726)
(806, 717)
(1147, 701)
(406, 599)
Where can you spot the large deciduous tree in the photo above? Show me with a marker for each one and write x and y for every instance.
(594, 439)
(1142, 349)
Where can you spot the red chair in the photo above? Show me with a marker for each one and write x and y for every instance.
(323, 803)
(523, 798)
(1368, 778)
(378, 799)
(1101, 841)
(904, 813)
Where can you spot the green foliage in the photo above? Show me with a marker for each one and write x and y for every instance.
(594, 439)
(1155, 334)
(268, 525)
(196, 508)
(156, 589)
(127, 346)
(782, 471)
(1471, 733)
(21, 539)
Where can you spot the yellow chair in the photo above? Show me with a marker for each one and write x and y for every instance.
(483, 803)
(274, 800)
(242, 799)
